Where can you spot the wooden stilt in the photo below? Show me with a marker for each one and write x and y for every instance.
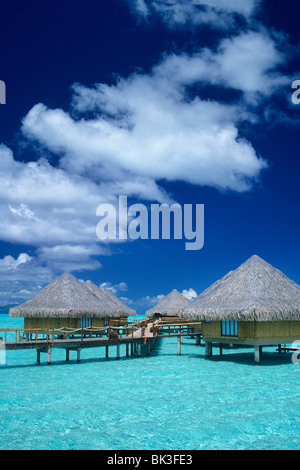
(131, 348)
(178, 345)
(127, 349)
(198, 340)
(118, 351)
(49, 357)
(221, 349)
(78, 354)
(208, 349)
(106, 352)
(256, 354)
(67, 354)
(38, 356)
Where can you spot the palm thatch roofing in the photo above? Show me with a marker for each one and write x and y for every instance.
(64, 297)
(118, 308)
(170, 305)
(256, 291)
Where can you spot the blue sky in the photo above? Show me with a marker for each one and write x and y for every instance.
(185, 101)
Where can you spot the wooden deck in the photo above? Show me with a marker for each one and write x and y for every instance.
(45, 340)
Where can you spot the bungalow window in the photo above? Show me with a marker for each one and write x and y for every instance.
(106, 321)
(85, 322)
(230, 328)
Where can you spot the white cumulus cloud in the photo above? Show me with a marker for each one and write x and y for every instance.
(148, 127)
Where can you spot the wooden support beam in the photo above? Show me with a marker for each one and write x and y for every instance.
(118, 351)
(49, 356)
(256, 354)
(178, 345)
(106, 352)
(208, 348)
(78, 354)
(127, 349)
(67, 354)
(48, 351)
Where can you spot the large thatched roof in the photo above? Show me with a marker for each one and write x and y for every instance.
(64, 297)
(170, 305)
(118, 308)
(254, 291)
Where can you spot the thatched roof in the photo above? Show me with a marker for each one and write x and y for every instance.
(170, 305)
(64, 297)
(118, 308)
(254, 291)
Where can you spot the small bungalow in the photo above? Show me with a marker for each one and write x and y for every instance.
(256, 304)
(65, 302)
(169, 308)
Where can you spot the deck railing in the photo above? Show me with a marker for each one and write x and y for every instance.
(17, 335)
(49, 335)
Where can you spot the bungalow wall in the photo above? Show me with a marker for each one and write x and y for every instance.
(44, 323)
(254, 330)
(39, 322)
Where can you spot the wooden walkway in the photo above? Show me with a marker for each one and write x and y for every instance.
(45, 340)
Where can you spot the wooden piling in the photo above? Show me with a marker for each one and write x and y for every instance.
(49, 356)
(208, 348)
(178, 345)
(256, 354)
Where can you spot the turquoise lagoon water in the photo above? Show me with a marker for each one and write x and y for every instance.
(164, 401)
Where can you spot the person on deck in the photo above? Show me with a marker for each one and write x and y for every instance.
(143, 334)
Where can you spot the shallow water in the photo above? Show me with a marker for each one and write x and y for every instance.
(163, 401)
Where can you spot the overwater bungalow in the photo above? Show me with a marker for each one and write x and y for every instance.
(66, 302)
(256, 304)
(169, 308)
